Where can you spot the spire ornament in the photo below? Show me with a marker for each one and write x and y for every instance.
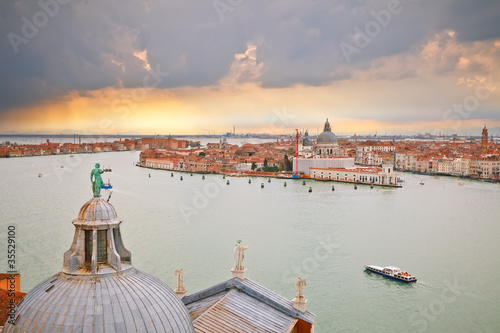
(300, 302)
(180, 290)
(327, 127)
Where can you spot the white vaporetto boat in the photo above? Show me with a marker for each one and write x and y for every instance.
(392, 272)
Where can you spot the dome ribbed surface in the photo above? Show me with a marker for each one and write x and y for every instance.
(97, 209)
(327, 137)
(133, 301)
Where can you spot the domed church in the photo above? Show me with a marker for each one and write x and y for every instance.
(327, 144)
(99, 290)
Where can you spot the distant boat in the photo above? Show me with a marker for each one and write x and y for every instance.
(40, 175)
(392, 272)
(71, 156)
(421, 182)
(460, 184)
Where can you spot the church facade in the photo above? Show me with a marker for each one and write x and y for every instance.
(327, 144)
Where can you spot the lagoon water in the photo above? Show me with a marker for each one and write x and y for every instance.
(446, 234)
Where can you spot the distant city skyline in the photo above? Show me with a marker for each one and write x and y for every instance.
(189, 68)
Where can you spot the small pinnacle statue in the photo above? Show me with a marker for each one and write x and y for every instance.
(300, 284)
(239, 255)
(95, 178)
(179, 273)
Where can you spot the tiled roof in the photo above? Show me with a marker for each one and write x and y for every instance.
(5, 299)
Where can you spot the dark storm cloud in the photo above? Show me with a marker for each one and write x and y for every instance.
(89, 45)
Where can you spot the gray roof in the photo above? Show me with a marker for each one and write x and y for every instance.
(131, 301)
(97, 212)
(327, 137)
(242, 306)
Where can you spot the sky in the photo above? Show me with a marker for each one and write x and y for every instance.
(262, 66)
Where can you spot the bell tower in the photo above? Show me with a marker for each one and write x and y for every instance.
(484, 142)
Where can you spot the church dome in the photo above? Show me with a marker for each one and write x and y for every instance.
(133, 301)
(98, 289)
(307, 142)
(327, 136)
(97, 209)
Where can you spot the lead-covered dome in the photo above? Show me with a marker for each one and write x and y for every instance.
(133, 301)
(307, 142)
(98, 289)
(327, 136)
(97, 209)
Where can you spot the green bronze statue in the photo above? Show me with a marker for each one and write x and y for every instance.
(95, 178)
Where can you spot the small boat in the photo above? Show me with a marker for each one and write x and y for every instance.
(269, 180)
(227, 182)
(249, 181)
(284, 185)
(71, 156)
(355, 187)
(107, 186)
(40, 175)
(421, 182)
(392, 272)
(261, 185)
(310, 189)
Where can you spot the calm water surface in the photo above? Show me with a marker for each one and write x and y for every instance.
(445, 234)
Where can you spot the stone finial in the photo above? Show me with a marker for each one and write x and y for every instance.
(180, 290)
(300, 302)
(239, 255)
